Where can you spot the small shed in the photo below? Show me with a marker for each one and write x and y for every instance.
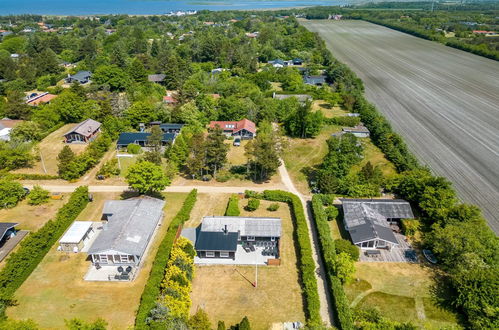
(76, 236)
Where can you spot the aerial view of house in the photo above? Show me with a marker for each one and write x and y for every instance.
(81, 77)
(39, 98)
(84, 132)
(246, 129)
(140, 138)
(6, 125)
(317, 80)
(156, 78)
(302, 98)
(359, 131)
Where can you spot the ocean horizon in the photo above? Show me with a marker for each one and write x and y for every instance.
(143, 7)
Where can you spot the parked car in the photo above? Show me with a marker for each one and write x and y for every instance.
(237, 142)
(26, 191)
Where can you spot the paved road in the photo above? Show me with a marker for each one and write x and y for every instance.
(445, 102)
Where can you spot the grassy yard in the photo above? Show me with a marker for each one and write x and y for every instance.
(400, 291)
(327, 110)
(377, 158)
(56, 291)
(32, 217)
(49, 149)
(225, 292)
(236, 156)
(302, 154)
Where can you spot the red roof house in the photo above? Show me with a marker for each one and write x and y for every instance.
(245, 128)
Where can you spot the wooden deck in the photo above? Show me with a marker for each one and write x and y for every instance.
(396, 254)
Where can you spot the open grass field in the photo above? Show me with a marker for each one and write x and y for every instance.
(56, 291)
(400, 291)
(377, 158)
(327, 110)
(32, 217)
(443, 101)
(303, 154)
(225, 292)
(49, 149)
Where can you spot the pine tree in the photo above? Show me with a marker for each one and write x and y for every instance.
(65, 157)
(264, 152)
(216, 150)
(197, 157)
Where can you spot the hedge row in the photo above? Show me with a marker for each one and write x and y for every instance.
(25, 176)
(344, 121)
(233, 206)
(305, 260)
(153, 285)
(343, 315)
(35, 246)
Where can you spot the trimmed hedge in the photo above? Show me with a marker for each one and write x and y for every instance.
(153, 285)
(233, 206)
(343, 315)
(24, 176)
(34, 247)
(305, 260)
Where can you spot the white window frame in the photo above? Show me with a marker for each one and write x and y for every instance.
(250, 238)
(224, 255)
(124, 259)
(103, 258)
(210, 254)
(272, 239)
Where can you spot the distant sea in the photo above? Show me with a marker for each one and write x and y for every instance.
(143, 7)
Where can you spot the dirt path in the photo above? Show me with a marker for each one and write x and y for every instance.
(322, 285)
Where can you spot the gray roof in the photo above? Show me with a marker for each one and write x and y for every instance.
(356, 129)
(136, 137)
(314, 80)
(130, 226)
(86, 128)
(366, 219)
(156, 77)
(190, 234)
(5, 226)
(81, 76)
(258, 227)
(300, 97)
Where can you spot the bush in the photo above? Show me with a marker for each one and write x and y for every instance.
(38, 196)
(343, 245)
(152, 288)
(273, 207)
(306, 262)
(110, 168)
(35, 246)
(344, 121)
(327, 199)
(223, 176)
(252, 194)
(24, 176)
(134, 149)
(233, 206)
(11, 192)
(253, 204)
(331, 213)
(410, 226)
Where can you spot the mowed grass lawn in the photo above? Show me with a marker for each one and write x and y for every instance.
(49, 149)
(400, 291)
(32, 217)
(56, 291)
(225, 292)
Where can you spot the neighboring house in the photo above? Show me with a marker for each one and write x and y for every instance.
(252, 34)
(368, 220)
(353, 114)
(6, 125)
(171, 128)
(75, 238)
(140, 138)
(7, 230)
(168, 99)
(156, 78)
(4, 33)
(218, 70)
(278, 63)
(359, 131)
(300, 97)
(126, 235)
(245, 128)
(297, 61)
(84, 132)
(219, 236)
(36, 99)
(81, 77)
(317, 80)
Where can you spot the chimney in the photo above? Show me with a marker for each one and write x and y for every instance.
(225, 230)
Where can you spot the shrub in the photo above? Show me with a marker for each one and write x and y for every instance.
(152, 288)
(223, 176)
(33, 248)
(343, 245)
(252, 194)
(273, 207)
(11, 192)
(109, 168)
(134, 149)
(25, 176)
(233, 206)
(331, 213)
(38, 196)
(344, 121)
(305, 260)
(327, 199)
(253, 204)
(410, 226)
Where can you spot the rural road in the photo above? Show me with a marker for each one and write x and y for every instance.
(443, 101)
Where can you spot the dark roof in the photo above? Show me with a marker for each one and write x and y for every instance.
(171, 126)
(81, 75)
(366, 232)
(156, 77)
(86, 127)
(216, 241)
(127, 138)
(5, 226)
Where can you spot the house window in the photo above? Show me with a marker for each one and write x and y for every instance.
(250, 238)
(124, 258)
(103, 258)
(272, 239)
(224, 254)
(210, 254)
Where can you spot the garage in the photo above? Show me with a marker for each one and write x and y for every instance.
(76, 236)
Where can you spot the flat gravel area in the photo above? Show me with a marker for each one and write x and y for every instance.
(445, 102)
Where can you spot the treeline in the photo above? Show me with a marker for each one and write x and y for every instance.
(21, 263)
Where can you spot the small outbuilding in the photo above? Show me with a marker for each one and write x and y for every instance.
(359, 131)
(76, 236)
(81, 77)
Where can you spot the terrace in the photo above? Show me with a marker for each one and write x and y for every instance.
(242, 258)
(398, 253)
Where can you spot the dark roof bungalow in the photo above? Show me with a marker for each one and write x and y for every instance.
(317, 80)
(368, 220)
(81, 77)
(171, 128)
(7, 230)
(84, 132)
(140, 138)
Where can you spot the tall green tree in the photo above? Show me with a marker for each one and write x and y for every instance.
(216, 150)
(11, 192)
(197, 157)
(65, 157)
(146, 177)
(264, 151)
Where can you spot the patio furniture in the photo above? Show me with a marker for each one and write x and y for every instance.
(97, 266)
(128, 269)
(373, 253)
(120, 269)
(252, 248)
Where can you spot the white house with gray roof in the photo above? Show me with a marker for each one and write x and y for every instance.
(368, 220)
(128, 231)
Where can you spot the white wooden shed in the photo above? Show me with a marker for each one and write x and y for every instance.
(76, 236)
